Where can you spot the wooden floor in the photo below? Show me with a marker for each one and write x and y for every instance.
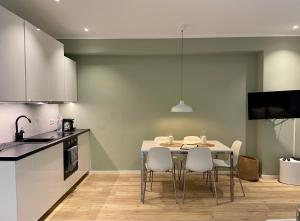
(116, 197)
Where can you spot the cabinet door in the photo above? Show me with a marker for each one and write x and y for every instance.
(84, 155)
(44, 66)
(12, 60)
(39, 182)
(70, 80)
(56, 71)
(37, 68)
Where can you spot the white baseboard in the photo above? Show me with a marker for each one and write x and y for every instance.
(133, 172)
(263, 176)
(269, 177)
(115, 172)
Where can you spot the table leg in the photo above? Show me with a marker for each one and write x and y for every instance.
(142, 176)
(231, 178)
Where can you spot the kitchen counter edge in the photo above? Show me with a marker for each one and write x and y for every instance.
(44, 146)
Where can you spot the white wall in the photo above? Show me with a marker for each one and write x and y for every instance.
(40, 115)
(281, 71)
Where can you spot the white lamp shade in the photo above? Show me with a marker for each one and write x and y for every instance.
(181, 107)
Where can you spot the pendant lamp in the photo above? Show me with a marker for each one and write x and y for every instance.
(181, 106)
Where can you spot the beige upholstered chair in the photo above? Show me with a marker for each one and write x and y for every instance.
(225, 164)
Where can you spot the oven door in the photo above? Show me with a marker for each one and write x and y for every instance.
(70, 161)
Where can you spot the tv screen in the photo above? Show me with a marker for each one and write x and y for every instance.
(274, 105)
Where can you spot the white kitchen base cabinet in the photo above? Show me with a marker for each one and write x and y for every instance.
(32, 185)
(84, 162)
(38, 179)
(8, 199)
(84, 154)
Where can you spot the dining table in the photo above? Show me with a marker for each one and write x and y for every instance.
(215, 146)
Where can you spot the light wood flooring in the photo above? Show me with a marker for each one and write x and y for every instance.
(117, 197)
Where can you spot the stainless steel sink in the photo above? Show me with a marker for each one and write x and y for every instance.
(37, 140)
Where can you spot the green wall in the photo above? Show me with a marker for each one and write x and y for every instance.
(126, 99)
(126, 88)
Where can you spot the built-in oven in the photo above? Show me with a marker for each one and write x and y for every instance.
(70, 156)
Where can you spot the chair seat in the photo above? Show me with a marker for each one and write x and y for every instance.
(220, 163)
(158, 170)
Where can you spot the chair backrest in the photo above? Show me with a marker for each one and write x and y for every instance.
(236, 147)
(162, 139)
(159, 159)
(191, 139)
(199, 160)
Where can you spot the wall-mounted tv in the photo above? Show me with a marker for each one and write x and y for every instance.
(274, 105)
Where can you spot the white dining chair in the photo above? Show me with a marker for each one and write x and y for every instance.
(199, 160)
(178, 159)
(192, 140)
(225, 164)
(158, 140)
(159, 159)
(187, 140)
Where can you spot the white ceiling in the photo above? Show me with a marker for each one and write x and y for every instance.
(160, 18)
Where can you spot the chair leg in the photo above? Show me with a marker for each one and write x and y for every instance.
(238, 173)
(184, 184)
(145, 185)
(217, 174)
(210, 180)
(180, 171)
(207, 177)
(151, 175)
(174, 183)
(215, 187)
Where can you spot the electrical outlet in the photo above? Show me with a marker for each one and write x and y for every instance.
(51, 122)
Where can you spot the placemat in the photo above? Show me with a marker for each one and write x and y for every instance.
(204, 145)
(180, 144)
(171, 145)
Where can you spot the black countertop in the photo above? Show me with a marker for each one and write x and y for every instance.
(22, 150)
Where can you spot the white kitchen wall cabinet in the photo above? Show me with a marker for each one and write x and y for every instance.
(12, 59)
(33, 66)
(44, 66)
(70, 80)
(56, 73)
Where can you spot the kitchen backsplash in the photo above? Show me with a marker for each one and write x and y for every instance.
(43, 119)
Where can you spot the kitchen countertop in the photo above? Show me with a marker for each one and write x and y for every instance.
(22, 150)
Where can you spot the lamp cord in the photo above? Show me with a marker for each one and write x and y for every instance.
(181, 67)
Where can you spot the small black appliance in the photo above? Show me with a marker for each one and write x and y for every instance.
(68, 125)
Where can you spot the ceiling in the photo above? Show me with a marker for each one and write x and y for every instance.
(121, 19)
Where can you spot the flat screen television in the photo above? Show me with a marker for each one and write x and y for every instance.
(274, 105)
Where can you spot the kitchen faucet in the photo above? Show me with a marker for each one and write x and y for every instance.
(19, 135)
